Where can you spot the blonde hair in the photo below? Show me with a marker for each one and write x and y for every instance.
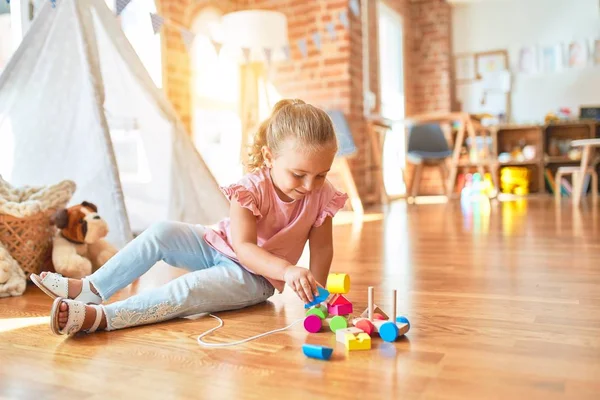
(291, 118)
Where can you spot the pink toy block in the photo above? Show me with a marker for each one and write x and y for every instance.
(313, 323)
(342, 309)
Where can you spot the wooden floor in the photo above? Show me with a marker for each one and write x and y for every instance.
(504, 303)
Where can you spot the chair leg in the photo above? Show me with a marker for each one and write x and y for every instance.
(416, 181)
(557, 179)
(594, 186)
(443, 175)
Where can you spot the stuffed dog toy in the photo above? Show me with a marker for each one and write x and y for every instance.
(79, 247)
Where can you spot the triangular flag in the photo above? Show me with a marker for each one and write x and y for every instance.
(246, 53)
(317, 39)
(286, 51)
(331, 30)
(157, 22)
(120, 5)
(302, 47)
(217, 46)
(355, 7)
(344, 18)
(188, 39)
(268, 51)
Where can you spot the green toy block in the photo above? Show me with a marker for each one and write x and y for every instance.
(338, 322)
(320, 311)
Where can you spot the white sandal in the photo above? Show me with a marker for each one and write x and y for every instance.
(75, 318)
(55, 285)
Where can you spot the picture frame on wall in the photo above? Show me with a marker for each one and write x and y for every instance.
(551, 58)
(490, 63)
(528, 60)
(577, 54)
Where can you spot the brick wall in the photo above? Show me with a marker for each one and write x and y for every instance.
(332, 77)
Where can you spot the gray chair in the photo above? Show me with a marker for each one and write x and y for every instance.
(427, 146)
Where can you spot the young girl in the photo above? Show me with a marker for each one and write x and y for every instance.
(285, 201)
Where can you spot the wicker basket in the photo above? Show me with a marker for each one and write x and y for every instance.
(29, 240)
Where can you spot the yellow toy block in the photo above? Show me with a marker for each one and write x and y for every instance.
(338, 283)
(360, 342)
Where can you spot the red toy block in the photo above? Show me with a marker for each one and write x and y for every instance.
(339, 300)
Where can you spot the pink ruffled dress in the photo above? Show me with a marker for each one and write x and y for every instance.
(282, 227)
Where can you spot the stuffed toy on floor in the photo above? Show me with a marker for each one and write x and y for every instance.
(24, 202)
(79, 247)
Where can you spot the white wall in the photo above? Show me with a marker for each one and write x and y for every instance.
(511, 24)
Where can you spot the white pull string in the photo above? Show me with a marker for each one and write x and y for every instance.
(203, 343)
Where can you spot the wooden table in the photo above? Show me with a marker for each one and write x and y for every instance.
(589, 146)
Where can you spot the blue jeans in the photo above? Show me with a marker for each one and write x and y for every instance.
(216, 282)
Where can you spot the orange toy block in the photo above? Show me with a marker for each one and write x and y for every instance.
(360, 342)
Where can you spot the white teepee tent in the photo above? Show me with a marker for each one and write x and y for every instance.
(76, 103)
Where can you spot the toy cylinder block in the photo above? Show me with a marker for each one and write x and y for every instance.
(313, 323)
(342, 309)
(320, 311)
(403, 320)
(338, 283)
(337, 322)
(365, 325)
(319, 352)
(388, 331)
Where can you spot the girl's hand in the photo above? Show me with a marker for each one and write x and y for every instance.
(302, 282)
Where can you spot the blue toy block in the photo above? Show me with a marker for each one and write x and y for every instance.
(319, 352)
(388, 332)
(403, 320)
(323, 295)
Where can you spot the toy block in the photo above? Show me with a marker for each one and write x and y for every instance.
(400, 320)
(313, 323)
(323, 295)
(320, 311)
(340, 334)
(338, 300)
(337, 322)
(378, 317)
(338, 283)
(362, 341)
(388, 330)
(342, 309)
(365, 325)
(318, 352)
(376, 310)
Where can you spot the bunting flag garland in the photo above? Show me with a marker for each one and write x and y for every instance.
(317, 40)
(344, 18)
(302, 47)
(120, 5)
(246, 53)
(331, 30)
(355, 7)
(188, 39)
(286, 52)
(157, 22)
(267, 51)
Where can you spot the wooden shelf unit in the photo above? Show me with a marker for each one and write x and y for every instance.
(507, 137)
